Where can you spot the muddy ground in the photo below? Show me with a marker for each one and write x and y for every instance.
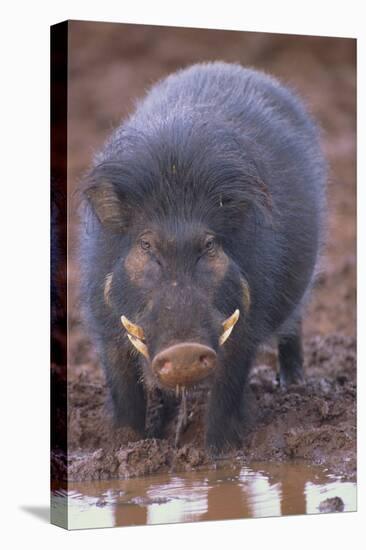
(109, 68)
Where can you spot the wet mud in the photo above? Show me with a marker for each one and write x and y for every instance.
(315, 422)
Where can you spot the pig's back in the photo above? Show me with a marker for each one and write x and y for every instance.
(257, 110)
(255, 107)
(245, 97)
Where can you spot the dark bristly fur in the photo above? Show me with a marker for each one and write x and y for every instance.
(219, 150)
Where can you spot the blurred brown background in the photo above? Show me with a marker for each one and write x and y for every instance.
(112, 65)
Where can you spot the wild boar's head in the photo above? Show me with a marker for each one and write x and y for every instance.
(169, 233)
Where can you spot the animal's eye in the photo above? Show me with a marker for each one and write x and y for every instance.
(210, 245)
(145, 244)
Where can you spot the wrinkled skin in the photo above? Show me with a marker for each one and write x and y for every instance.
(203, 203)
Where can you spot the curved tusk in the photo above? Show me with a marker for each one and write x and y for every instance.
(228, 325)
(140, 346)
(135, 330)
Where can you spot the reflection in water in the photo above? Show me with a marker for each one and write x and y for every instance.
(260, 491)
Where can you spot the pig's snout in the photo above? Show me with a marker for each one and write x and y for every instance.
(184, 364)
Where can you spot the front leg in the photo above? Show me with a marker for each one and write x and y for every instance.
(226, 408)
(160, 409)
(126, 390)
(290, 355)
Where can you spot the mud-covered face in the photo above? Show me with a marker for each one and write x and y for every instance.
(192, 296)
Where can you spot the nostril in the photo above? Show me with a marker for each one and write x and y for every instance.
(165, 366)
(204, 360)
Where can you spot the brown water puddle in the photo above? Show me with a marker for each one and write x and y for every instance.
(260, 490)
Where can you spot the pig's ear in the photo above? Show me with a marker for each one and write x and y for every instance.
(110, 208)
